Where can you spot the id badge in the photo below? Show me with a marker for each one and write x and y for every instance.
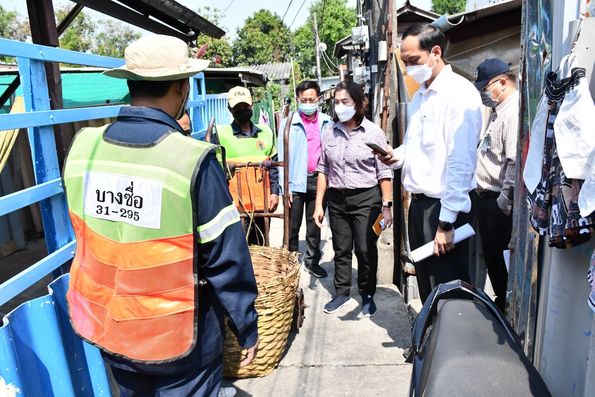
(486, 144)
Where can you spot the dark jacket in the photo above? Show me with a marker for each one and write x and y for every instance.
(224, 262)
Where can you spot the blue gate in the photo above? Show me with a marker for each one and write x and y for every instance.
(39, 353)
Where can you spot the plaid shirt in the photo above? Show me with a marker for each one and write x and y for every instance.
(348, 162)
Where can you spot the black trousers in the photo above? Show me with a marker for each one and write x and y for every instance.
(352, 213)
(495, 228)
(307, 201)
(423, 223)
(202, 382)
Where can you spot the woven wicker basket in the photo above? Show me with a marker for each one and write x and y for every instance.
(277, 276)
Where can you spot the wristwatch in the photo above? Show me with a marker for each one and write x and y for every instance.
(446, 226)
(387, 204)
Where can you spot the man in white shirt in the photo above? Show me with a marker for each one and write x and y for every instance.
(496, 157)
(438, 156)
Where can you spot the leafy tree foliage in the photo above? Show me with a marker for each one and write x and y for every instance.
(9, 24)
(103, 37)
(449, 7)
(262, 39)
(335, 20)
(113, 39)
(218, 51)
(79, 36)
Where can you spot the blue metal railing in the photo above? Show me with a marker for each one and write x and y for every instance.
(39, 352)
(39, 119)
(215, 106)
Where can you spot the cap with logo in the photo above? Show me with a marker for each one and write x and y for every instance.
(239, 95)
(489, 69)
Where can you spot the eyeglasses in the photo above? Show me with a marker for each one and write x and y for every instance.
(487, 87)
(309, 100)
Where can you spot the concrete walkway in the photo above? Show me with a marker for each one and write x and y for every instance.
(339, 354)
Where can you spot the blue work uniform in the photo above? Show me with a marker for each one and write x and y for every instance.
(225, 264)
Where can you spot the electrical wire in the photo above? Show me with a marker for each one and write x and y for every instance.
(324, 54)
(296, 14)
(327, 65)
(287, 9)
(227, 8)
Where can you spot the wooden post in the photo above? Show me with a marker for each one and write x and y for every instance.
(44, 31)
(286, 209)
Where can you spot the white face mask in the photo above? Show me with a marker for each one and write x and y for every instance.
(486, 97)
(420, 73)
(308, 108)
(344, 112)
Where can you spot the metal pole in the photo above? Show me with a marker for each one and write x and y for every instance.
(292, 74)
(360, 16)
(389, 62)
(286, 209)
(317, 41)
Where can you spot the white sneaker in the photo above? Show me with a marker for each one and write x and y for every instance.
(227, 391)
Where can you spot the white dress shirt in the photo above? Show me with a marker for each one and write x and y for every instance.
(439, 151)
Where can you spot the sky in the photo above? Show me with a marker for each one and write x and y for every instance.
(237, 10)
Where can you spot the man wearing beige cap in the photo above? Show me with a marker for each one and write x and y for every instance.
(160, 258)
(245, 142)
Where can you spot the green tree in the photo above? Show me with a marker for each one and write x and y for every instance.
(218, 51)
(335, 20)
(304, 45)
(448, 7)
(9, 24)
(79, 36)
(102, 37)
(262, 39)
(113, 39)
(11, 27)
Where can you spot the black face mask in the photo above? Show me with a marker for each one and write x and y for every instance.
(242, 115)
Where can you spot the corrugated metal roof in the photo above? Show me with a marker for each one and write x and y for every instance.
(275, 71)
(408, 7)
(42, 356)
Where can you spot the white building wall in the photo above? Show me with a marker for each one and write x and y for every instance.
(565, 341)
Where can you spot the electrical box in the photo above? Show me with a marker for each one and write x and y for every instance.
(382, 51)
(360, 36)
(361, 74)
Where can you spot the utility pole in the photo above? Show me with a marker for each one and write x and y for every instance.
(360, 13)
(317, 39)
(389, 68)
(44, 31)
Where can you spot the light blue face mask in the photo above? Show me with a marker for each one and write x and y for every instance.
(308, 108)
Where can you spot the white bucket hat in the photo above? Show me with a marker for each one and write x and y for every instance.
(157, 58)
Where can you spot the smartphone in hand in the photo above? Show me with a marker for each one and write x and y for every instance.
(377, 148)
(379, 225)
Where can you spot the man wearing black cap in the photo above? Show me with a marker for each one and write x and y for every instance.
(496, 155)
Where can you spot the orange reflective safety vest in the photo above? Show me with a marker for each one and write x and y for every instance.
(133, 282)
(249, 186)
